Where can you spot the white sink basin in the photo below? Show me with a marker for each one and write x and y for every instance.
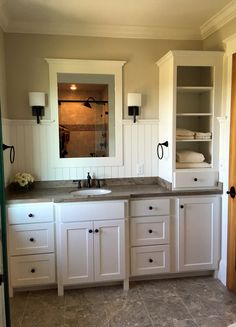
(93, 191)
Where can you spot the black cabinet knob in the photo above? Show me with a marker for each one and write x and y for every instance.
(181, 206)
(33, 270)
(150, 260)
(150, 208)
(96, 230)
(31, 239)
(30, 215)
(90, 231)
(195, 179)
(150, 231)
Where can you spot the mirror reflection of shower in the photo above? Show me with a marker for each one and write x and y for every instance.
(83, 113)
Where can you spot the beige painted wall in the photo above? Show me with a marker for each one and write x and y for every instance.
(215, 41)
(3, 76)
(27, 70)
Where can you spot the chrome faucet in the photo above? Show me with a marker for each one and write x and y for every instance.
(89, 180)
(79, 183)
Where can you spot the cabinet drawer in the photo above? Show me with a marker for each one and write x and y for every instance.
(147, 260)
(31, 238)
(69, 212)
(32, 270)
(30, 213)
(149, 207)
(149, 230)
(191, 179)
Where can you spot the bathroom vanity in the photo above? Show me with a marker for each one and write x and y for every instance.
(146, 231)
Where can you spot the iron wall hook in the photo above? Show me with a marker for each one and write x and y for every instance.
(12, 152)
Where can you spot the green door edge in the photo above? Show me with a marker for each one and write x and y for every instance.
(4, 232)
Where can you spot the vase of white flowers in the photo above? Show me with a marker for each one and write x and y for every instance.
(23, 181)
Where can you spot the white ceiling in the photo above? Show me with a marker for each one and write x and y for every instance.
(178, 19)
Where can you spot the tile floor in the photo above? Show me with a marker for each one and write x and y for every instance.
(188, 302)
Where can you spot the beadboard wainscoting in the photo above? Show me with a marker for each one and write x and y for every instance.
(31, 142)
(6, 139)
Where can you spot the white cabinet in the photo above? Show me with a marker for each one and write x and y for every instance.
(77, 252)
(109, 250)
(31, 244)
(198, 234)
(190, 99)
(149, 236)
(90, 249)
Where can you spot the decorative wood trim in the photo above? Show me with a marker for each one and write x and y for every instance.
(140, 122)
(29, 122)
(221, 119)
(217, 21)
(33, 151)
(125, 31)
(231, 262)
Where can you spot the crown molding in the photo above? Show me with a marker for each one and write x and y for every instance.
(114, 31)
(217, 21)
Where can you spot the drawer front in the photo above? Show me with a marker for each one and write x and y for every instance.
(69, 212)
(30, 213)
(149, 230)
(190, 179)
(148, 260)
(149, 207)
(31, 238)
(32, 270)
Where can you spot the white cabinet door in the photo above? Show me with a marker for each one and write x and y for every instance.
(198, 233)
(77, 252)
(109, 250)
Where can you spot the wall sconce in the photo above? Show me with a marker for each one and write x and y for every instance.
(134, 102)
(37, 102)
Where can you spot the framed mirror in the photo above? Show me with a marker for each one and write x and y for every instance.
(86, 110)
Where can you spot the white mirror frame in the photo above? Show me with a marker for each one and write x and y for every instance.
(72, 66)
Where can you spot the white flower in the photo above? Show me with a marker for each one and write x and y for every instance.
(23, 179)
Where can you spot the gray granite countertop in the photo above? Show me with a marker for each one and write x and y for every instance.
(42, 192)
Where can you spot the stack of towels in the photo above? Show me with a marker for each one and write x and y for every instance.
(185, 134)
(202, 136)
(190, 159)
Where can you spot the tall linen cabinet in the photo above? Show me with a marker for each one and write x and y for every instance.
(190, 98)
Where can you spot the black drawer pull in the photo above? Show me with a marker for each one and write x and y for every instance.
(150, 208)
(96, 230)
(181, 206)
(150, 260)
(32, 239)
(195, 179)
(33, 270)
(30, 215)
(90, 231)
(150, 231)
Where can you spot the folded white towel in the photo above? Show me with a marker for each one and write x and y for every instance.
(202, 138)
(184, 132)
(182, 165)
(186, 137)
(189, 156)
(200, 134)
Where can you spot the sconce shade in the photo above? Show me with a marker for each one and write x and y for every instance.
(134, 99)
(37, 102)
(37, 99)
(134, 102)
